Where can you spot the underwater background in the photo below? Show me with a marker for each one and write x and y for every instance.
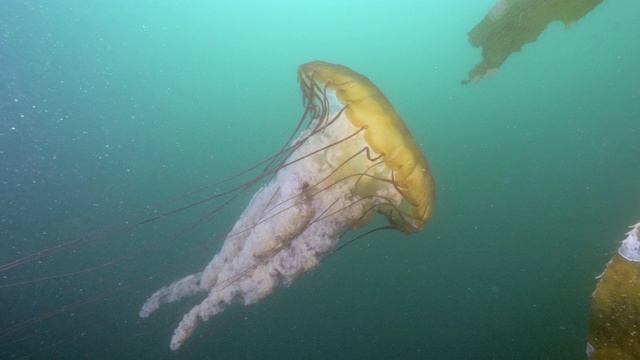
(109, 107)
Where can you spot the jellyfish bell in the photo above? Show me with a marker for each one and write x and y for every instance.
(354, 158)
(384, 133)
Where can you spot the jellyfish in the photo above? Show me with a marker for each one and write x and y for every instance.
(354, 158)
(511, 24)
(614, 319)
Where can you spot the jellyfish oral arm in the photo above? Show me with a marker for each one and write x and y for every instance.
(185, 287)
(289, 225)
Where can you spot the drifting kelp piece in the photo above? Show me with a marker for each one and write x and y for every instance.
(512, 23)
(614, 320)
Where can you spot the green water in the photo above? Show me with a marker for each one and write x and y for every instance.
(107, 107)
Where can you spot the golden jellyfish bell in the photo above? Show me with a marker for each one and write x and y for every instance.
(385, 133)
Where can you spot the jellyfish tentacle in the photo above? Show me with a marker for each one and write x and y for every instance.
(265, 210)
(365, 149)
(351, 241)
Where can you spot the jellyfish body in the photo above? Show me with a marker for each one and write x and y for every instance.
(355, 158)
